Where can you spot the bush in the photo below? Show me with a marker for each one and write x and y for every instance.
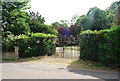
(37, 44)
(101, 46)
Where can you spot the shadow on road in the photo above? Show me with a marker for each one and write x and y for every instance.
(109, 75)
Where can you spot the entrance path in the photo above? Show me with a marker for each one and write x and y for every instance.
(37, 70)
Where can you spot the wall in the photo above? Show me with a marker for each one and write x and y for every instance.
(11, 55)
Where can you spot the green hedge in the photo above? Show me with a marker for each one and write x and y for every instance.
(110, 48)
(37, 44)
(101, 46)
(89, 46)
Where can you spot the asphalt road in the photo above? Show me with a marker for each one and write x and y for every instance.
(37, 70)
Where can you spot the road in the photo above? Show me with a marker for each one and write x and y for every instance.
(37, 70)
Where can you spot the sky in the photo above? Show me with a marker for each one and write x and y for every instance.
(56, 10)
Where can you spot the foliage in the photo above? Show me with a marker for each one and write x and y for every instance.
(37, 44)
(8, 43)
(14, 18)
(101, 46)
(74, 19)
(36, 17)
(17, 27)
(42, 28)
(36, 24)
(89, 45)
(109, 47)
(74, 30)
(94, 20)
(117, 16)
(63, 23)
(81, 22)
(42, 35)
(56, 24)
(5, 34)
(97, 19)
(112, 13)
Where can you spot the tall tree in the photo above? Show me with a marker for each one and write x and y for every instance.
(36, 17)
(14, 18)
(81, 22)
(95, 19)
(112, 13)
(36, 24)
(115, 8)
(74, 19)
(118, 15)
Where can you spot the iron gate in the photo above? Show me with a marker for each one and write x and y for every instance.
(68, 46)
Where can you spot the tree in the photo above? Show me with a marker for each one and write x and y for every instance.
(75, 30)
(14, 18)
(56, 24)
(81, 22)
(112, 15)
(95, 19)
(42, 28)
(118, 15)
(116, 7)
(36, 24)
(64, 23)
(74, 19)
(36, 17)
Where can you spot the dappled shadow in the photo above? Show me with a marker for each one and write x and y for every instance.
(95, 73)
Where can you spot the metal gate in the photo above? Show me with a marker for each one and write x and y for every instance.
(68, 46)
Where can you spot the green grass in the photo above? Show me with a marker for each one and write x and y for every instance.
(23, 59)
(90, 65)
(9, 60)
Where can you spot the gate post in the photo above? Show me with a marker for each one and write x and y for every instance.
(16, 52)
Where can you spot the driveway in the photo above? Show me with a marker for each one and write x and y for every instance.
(37, 70)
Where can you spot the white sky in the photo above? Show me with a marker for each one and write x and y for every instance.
(56, 10)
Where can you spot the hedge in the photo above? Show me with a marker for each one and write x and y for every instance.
(37, 44)
(101, 46)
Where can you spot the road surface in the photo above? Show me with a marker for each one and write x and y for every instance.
(37, 70)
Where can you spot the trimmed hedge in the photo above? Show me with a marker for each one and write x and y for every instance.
(89, 46)
(101, 46)
(37, 44)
